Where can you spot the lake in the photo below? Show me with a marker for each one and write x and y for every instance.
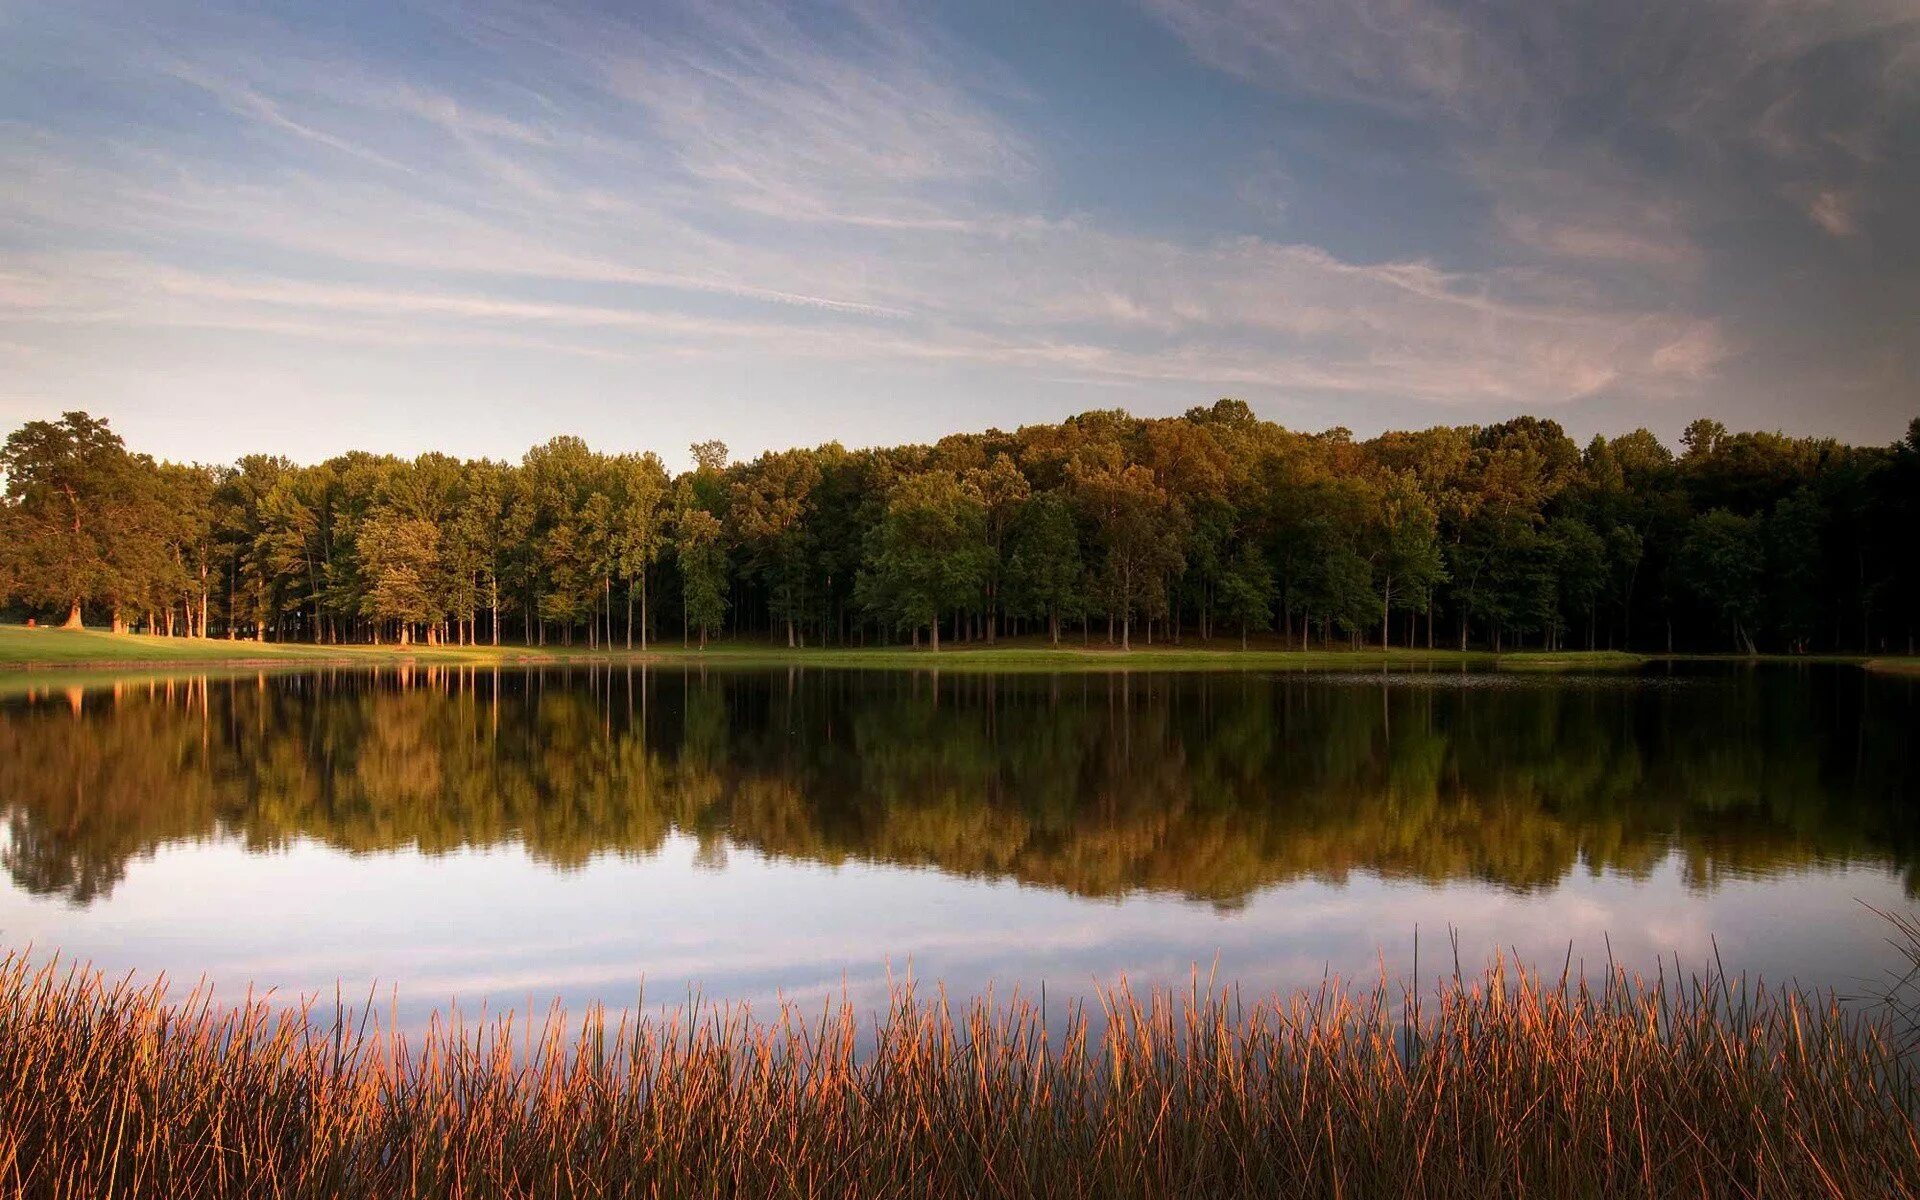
(500, 837)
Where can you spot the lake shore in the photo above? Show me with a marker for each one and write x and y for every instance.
(41, 649)
(49, 649)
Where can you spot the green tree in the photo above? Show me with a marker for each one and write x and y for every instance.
(639, 528)
(770, 504)
(1580, 569)
(71, 496)
(1793, 536)
(1044, 569)
(1004, 493)
(1139, 530)
(1408, 564)
(929, 554)
(400, 555)
(703, 564)
(1722, 563)
(1246, 590)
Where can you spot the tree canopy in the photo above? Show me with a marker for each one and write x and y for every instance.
(1104, 525)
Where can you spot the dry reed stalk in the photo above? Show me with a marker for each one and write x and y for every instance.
(1504, 1084)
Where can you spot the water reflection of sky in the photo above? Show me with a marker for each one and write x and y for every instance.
(495, 927)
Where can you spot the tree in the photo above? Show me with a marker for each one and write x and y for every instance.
(638, 524)
(1580, 569)
(71, 492)
(702, 562)
(1044, 569)
(1139, 529)
(559, 570)
(1625, 549)
(1722, 562)
(929, 553)
(241, 515)
(185, 497)
(1004, 492)
(1246, 590)
(478, 543)
(1793, 547)
(770, 506)
(400, 554)
(1408, 554)
(1507, 529)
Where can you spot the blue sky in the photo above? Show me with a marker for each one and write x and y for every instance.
(471, 226)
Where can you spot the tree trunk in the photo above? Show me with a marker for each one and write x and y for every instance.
(73, 618)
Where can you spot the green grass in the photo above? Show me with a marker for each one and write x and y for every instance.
(1512, 1085)
(21, 647)
(1894, 666)
(46, 649)
(24, 647)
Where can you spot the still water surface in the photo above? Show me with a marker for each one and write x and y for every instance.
(503, 836)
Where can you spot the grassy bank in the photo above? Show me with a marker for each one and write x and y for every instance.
(63, 649)
(1515, 1086)
(25, 648)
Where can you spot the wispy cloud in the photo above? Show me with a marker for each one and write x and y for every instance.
(829, 191)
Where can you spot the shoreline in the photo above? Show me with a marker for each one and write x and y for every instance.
(25, 651)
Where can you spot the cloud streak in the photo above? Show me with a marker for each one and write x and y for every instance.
(823, 197)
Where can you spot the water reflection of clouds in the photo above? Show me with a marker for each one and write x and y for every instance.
(541, 835)
(502, 930)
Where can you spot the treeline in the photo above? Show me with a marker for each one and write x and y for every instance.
(1104, 526)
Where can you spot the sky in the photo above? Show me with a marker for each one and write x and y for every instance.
(304, 228)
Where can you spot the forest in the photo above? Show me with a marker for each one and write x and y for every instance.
(1104, 528)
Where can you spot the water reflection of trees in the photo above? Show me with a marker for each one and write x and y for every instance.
(1208, 786)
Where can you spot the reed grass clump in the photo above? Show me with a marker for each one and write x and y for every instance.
(1502, 1084)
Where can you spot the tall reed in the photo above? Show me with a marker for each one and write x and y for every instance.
(1503, 1084)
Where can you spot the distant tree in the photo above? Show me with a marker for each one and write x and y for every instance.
(1004, 492)
(639, 528)
(770, 503)
(1139, 530)
(1509, 530)
(1793, 537)
(1702, 437)
(1579, 558)
(1407, 563)
(929, 553)
(1044, 569)
(400, 554)
(1625, 550)
(566, 557)
(1246, 590)
(1722, 562)
(702, 561)
(72, 496)
(477, 544)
